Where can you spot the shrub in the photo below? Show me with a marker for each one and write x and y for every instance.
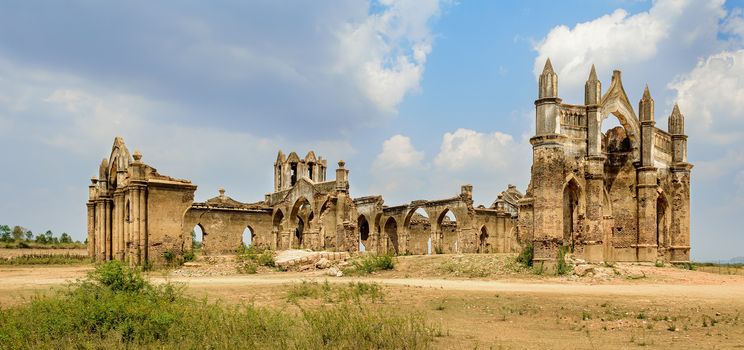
(247, 267)
(189, 255)
(371, 263)
(561, 267)
(250, 258)
(118, 277)
(527, 254)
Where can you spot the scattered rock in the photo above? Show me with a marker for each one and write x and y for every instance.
(323, 263)
(584, 270)
(335, 272)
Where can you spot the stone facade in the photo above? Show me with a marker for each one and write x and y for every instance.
(623, 195)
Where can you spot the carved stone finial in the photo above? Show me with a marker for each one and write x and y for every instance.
(548, 67)
(222, 192)
(593, 74)
(137, 155)
(341, 164)
(646, 93)
(94, 180)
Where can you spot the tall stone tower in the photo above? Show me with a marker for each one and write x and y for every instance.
(621, 195)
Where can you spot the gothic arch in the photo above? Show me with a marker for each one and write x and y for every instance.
(391, 232)
(615, 101)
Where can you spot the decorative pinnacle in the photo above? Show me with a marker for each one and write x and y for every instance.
(222, 192)
(646, 93)
(137, 155)
(676, 112)
(593, 74)
(341, 164)
(548, 67)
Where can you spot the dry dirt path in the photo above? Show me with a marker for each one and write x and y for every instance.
(725, 290)
(725, 287)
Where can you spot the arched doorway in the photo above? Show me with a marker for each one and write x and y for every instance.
(197, 238)
(447, 230)
(248, 237)
(278, 228)
(302, 215)
(391, 231)
(417, 231)
(570, 212)
(363, 226)
(483, 245)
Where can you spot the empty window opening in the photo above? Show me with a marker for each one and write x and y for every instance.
(293, 168)
(363, 232)
(248, 237)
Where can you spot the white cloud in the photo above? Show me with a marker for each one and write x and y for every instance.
(385, 53)
(465, 148)
(399, 153)
(711, 96)
(671, 30)
(488, 161)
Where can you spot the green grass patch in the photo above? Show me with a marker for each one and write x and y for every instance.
(116, 308)
(46, 259)
(354, 291)
(249, 259)
(369, 264)
(527, 254)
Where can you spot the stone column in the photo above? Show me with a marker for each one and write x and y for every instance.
(91, 230)
(143, 223)
(646, 249)
(100, 234)
(547, 180)
(680, 208)
(136, 237)
(592, 244)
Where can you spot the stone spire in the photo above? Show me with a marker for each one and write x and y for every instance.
(548, 82)
(646, 106)
(592, 89)
(676, 122)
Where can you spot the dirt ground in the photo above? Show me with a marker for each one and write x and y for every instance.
(667, 308)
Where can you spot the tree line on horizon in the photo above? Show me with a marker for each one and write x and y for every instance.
(22, 236)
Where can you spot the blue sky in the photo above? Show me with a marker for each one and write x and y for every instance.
(418, 97)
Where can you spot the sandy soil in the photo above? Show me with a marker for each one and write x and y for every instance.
(670, 308)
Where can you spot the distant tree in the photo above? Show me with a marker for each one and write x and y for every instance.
(65, 238)
(86, 241)
(49, 236)
(29, 235)
(55, 240)
(40, 238)
(17, 233)
(5, 235)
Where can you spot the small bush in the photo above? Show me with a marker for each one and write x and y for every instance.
(247, 267)
(561, 267)
(369, 264)
(659, 263)
(189, 255)
(438, 249)
(528, 253)
(118, 277)
(257, 256)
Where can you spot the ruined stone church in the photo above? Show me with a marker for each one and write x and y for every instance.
(623, 195)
